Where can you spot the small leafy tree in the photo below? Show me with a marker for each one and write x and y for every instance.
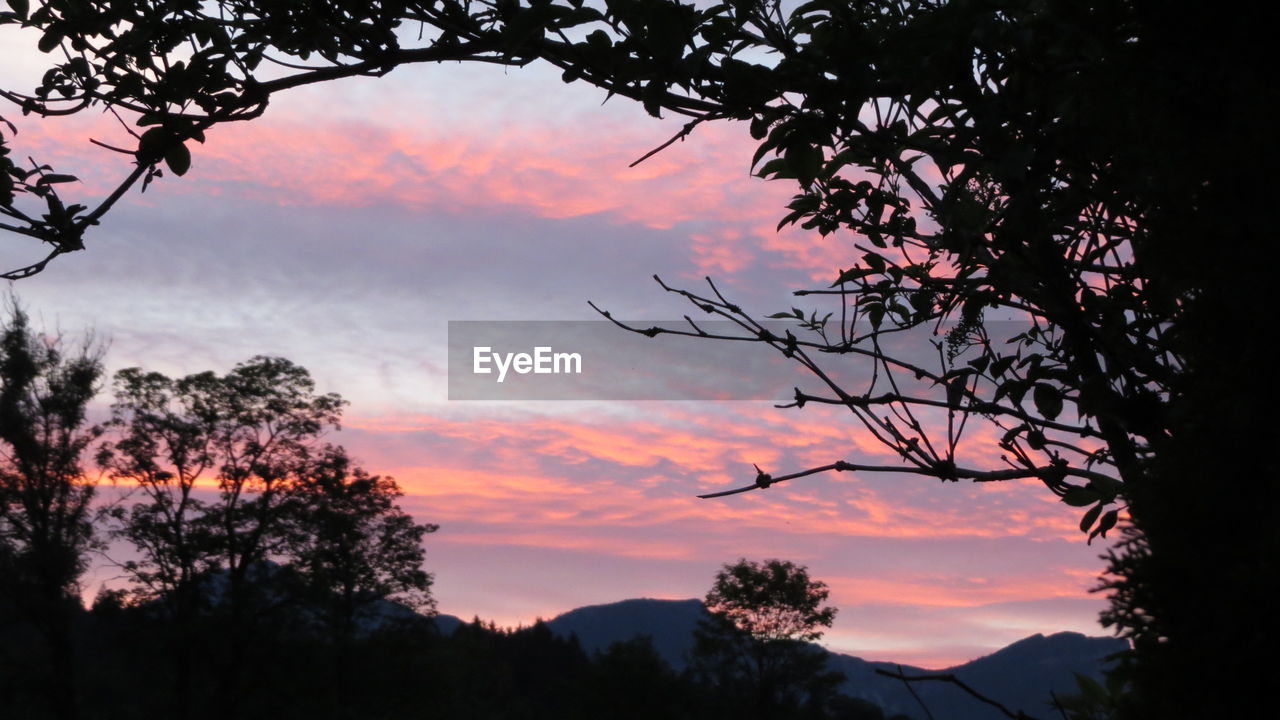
(353, 546)
(755, 644)
(357, 556)
(46, 526)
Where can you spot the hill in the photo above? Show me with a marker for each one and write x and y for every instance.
(1021, 675)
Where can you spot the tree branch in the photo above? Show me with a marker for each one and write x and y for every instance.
(941, 470)
(950, 678)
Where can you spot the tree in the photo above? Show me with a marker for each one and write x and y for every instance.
(755, 644)
(251, 433)
(353, 546)
(46, 498)
(355, 552)
(1043, 161)
(1080, 166)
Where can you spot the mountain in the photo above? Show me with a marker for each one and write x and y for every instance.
(1021, 675)
(446, 624)
(669, 623)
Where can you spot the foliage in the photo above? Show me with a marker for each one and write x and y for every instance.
(352, 545)
(45, 496)
(771, 600)
(230, 481)
(400, 671)
(242, 511)
(46, 529)
(250, 432)
(1095, 700)
(756, 643)
(631, 681)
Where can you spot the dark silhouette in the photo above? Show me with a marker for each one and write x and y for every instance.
(754, 644)
(251, 432)
(356, 556)
(46, 526)
(292, 539)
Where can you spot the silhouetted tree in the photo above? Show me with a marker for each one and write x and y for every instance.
(756, 644)
(358, 556)
(353, 546)
(250, 434)
(45, 497)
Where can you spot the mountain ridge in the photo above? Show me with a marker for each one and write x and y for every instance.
(1021, 675)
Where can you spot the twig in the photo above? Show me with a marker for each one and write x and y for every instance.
(927, 712)
(943, 471)
(950, 678)
(684, 133)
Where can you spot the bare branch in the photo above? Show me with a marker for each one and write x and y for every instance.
(940, 470)
(950, 678)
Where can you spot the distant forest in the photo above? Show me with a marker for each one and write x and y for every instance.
(405, 669)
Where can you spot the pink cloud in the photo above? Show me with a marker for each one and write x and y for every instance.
(294, 160)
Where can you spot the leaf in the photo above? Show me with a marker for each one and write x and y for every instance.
(1001, 366)
(1108, 521)
(805, 161)
(922, 301)
(1035, 440)
(1087, 521)
(50, 40)
(150, 143)
(851, 274)
(178, 158)
(776, 168)
(875, 314)
(52, 178)
(521, 28)
(1012, 433)
(20, 8)
(1048, 400)
(1079, 497)
(1091, 689)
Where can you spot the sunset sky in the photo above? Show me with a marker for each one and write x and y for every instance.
(347, 227)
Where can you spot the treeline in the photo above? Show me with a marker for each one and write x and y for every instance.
(233, 519)
(403, 669)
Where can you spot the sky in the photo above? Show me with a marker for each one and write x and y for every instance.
(348, 226)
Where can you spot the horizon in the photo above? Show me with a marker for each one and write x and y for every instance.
(819, 642)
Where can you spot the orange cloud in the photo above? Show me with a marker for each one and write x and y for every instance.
(614, 472)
